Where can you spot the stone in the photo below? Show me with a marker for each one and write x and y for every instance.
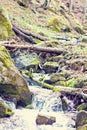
(82, 128)
(12, 83)
(81, 119)
(45, 120)
(5, 24)
(50, 67)
(5, 110)
(82, 107)
(28, 61)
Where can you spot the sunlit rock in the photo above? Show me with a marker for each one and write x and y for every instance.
(12, 84)
(43, 119)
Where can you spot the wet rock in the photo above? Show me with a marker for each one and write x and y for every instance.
(81, 119)
(5, 25)
(5, 110)
(27, 61)
(12, 84)
(43, 119)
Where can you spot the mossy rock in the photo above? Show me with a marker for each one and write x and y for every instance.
(5, 110)
(50, 67)
(57, 24)
(12, 84)
(56, 58)
(75, 83)
(81, 119)
(84, 127)
(82, 107)
(29, 106)
(28, 61)
(57, 77)
(5, 25)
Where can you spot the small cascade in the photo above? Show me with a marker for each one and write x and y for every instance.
(45, 103)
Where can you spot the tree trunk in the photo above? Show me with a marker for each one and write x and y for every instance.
(35, 48)
(15, 28)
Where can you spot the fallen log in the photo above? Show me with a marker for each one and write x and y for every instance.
(28, 38)
(30, 34)
(35, 48)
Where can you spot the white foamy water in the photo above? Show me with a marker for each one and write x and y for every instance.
(45, 102)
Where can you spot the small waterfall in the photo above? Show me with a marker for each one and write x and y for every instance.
(46, 103)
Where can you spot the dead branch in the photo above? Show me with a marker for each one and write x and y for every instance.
(34, 48)
(30, 34)
(28, 38)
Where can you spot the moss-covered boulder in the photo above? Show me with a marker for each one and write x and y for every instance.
(81, 119)
(5, 110)
(5, 25)
(12, 84)
(57, 24)
(84, 127)
(50, 67)
(82, 107)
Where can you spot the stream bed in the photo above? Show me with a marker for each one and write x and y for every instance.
(44, 102)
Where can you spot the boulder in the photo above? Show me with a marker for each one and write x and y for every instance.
(81, 119)
(82, 107)
(43, 119)
(82, 128)
(50, 67)
(5, 110)
(28, 61)
(12, 84)
(5, 25)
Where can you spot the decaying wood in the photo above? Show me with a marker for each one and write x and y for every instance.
(35, 48)
(28, 38)
(8, 42)
(30, 34)
(72, 91)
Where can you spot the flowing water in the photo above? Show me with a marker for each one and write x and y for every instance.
(44, 102)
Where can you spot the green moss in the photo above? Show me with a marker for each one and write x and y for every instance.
(5, 57)
(54, 24)
(5, 25)
(75, 82)
(29, 106)
(62, 83)
(47, 86)
(58, 24)
(5, 110)
(82, 107)
(8, 90)
(37, 41)
(56, 89)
